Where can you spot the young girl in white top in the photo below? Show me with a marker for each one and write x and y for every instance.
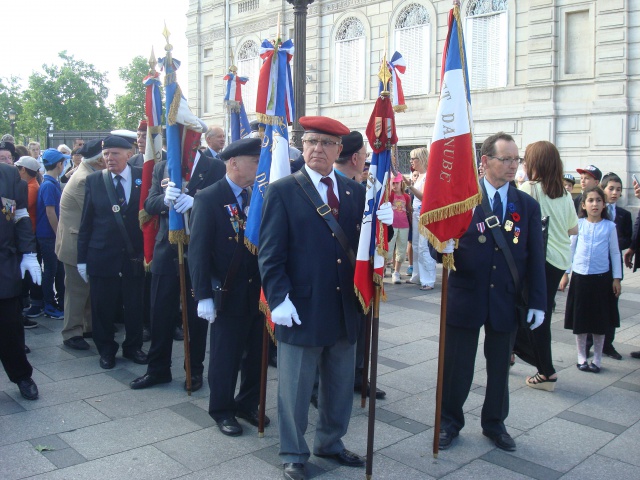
(595, 278)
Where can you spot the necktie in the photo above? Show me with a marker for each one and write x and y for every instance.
(122, 199)
(497, 206)
(332, 200)
(244, 197)
(612, 213)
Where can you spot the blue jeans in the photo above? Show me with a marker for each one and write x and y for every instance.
(52, 274)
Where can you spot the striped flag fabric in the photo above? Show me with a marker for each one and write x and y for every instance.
(239, 122)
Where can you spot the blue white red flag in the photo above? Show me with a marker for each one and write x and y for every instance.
(239, 122)
(396, 65)
(275, 87)
(451, 189)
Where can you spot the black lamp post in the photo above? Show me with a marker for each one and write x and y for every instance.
(49, 130)
(299, 65)
(12, 120)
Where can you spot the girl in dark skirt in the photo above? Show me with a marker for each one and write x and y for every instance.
(595, 279)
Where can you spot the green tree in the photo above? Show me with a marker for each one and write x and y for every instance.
(129, 108)
(74, 95)
(10, 98)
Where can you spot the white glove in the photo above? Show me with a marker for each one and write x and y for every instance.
(206, 310)
(30, 264)
(183, 203)
(385, 213)
(82, 271)
(537, 321)
(450, 246)
(171, 193)
(283, 313)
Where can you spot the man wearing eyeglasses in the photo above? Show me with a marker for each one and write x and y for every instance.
(482, 294)
(307, 277)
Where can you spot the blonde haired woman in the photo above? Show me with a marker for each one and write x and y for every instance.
(424, 267)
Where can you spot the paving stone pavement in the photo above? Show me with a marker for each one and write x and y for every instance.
(90, 425)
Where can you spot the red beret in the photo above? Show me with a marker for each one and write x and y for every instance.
(142, 125)
(324, 125)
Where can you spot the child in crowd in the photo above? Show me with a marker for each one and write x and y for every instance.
(595, 279)
(569, 182)
(401, 204)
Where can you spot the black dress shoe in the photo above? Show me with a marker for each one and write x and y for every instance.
(445, 439)
(252, 417)
(196, 382)
(583, 367)
(635, 354)
(28, 389)
(345, 457)
(178, 334)
(137, 356)
(612, 353)
(594, 368)
(230, 427)
(77, 343)
(502, 441)
(146, 334)
(380, 394)
(294, 471)
(149, 380)
(87, 335)
(107, 361)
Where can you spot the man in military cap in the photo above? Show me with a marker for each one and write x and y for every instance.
(307, 275)
(353, 156)
(77, 304)
(110, 252)
(217, 252)
(17, 256)
(7, 153)
(165, 281)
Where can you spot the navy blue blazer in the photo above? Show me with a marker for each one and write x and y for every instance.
(481, 289)
(165, 255)
(100, 243)
(298, 255)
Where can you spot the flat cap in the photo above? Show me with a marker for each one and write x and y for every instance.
(325, 125)
(351, 143)
(51, 156)
(28, 162)
(569, 178)
(244, 146)
(91, 149)
(115, 141)
(591, 170)
(8, 146)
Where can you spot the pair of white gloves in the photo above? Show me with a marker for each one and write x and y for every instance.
(181, 201)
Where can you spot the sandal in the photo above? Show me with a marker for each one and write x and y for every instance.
(539, 383)
(426, 287)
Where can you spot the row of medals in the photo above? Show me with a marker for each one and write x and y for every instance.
(508, 226)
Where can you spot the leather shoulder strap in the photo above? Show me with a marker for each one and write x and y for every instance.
(111, 192)
(325, 212)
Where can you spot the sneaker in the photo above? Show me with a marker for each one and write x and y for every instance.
(52, 312)
(29, 323)
(395, 278)
(410, 270)
(34, 311)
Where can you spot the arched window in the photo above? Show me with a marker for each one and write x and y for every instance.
(412, 41)
(249, 66)
(487, 42)
(349, 78)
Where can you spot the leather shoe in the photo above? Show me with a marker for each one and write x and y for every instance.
(612, 353)
(77, 343)
(178, 334)
(252, 417)
(345, 457)
(380, 394)
(28, 389)
(230, 427)
(502, 441)
(445, 439)
(149, 380)
(107, 361)
(635, 354)
(196, 382)
(137, 356)
(294, 471)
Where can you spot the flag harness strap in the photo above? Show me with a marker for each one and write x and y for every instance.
(111, 192)
(325, 212)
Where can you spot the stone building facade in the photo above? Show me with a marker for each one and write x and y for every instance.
(567, 71)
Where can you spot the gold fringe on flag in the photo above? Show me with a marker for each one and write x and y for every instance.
(269, 119)
(172, 114)
(450, 210)
(264, 308)
(250, 246)
(400, 108)
(365, 309)
(178, 236)
(144, 217)
(447, 261)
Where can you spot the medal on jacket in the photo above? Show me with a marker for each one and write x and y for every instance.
(8, 208)
(508, 225)
(115, 208)
(516, 234)
(481, 226)
(232, 210)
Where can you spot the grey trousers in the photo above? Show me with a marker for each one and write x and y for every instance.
(296, 375)
(77, 304)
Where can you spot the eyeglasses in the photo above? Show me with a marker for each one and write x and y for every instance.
(509, 161)
(325, 143)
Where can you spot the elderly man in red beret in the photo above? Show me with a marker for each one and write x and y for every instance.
(310, 229)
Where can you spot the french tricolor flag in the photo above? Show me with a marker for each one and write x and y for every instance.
(451, 189)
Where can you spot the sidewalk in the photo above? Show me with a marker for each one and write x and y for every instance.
(95, 427)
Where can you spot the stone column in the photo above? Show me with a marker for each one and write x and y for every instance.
(300, 66)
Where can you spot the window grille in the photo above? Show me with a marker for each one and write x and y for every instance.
(248, 5)
(349, 83)
(412, 40)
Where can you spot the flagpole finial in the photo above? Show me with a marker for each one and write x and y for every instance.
(165, 33)
(152, 61)
(385, 76)
(233, 69)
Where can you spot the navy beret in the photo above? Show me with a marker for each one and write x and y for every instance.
(8, 146)
(351, 143)
(91, 148)
(244, 146)
(114, 141)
